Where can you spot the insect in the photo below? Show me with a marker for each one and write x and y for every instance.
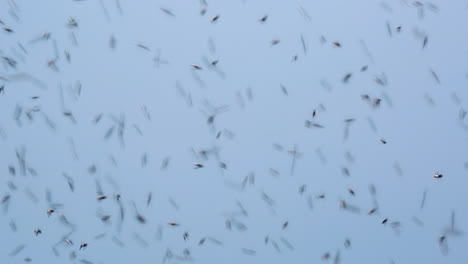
(385, 221)
(198, 165)
(50, 211)
(37, 231)
(83, 246)
(438, 175)
(215, 18)
(347, 243)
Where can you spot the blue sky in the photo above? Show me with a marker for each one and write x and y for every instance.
(154, 106)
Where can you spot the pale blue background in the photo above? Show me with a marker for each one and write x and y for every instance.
(422, 138)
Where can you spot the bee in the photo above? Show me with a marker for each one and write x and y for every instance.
(223, 165)
(50, 211)
(371, 211)
(140, 219)
(275, 42)
(351, 191)
(347, 77)
(438, 175)
(385, 221)
(376, 102)
(83, 246)
(202, 241)
(173, 224)
(198, 165)
(263, 19)
(347, 243)
(102, 197)
(72, 22)
(337, 44)
(383, 141)
(37, 231)
(186, 235)
(214, 18)
(197, 67)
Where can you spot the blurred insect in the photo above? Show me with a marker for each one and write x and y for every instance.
(83, 246)
(167, 11)
(50, 211)
(37, 231)
(438, 175)
(347, 77)
(443, 245)
(215, 18)
(347, 243)
(425, 42)
(336, 43)
(275, 42)
(263, 19)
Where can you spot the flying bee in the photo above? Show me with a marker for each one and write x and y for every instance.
(37, 231)
(215, 18)
(263, 19)
(50, 211)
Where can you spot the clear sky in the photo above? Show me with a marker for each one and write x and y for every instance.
(118, 98)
